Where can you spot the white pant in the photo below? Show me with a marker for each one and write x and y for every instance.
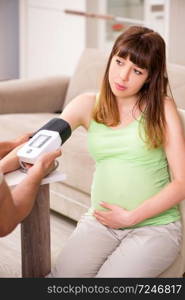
(94, 250)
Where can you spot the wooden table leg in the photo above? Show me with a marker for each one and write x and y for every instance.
(35, 237)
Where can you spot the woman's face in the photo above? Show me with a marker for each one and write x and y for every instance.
(125, 78)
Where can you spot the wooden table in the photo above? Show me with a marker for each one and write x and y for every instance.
(35, 229)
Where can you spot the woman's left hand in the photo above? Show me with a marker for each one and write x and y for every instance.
(116, 217)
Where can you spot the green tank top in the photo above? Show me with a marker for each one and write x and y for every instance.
(127, 173)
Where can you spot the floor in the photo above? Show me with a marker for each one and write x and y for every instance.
(10, 246)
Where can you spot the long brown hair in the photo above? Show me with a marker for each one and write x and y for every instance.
(146, 49)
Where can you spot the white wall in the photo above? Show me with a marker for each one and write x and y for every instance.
(51, 41)
(9, 44)
(176, 32)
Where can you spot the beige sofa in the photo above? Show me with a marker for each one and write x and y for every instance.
(25, 105)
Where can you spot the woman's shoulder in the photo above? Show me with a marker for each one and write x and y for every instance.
(170, 107)
(82, 103)
(172, 115)
(88, 99)
(86, 104)
(78, 111)
(85, 100)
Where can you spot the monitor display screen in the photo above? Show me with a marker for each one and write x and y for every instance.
(39, 141)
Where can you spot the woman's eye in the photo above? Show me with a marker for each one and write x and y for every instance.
(118, 62)
(137, 72)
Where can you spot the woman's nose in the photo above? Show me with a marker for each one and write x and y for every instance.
(124, 74)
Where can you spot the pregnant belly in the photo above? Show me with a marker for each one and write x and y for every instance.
(125, 184)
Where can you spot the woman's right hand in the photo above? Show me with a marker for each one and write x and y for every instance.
(44, 164)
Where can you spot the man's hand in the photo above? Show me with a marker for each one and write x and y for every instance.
(22, 139)
(7, 146)
(44, 165)
(10, 162)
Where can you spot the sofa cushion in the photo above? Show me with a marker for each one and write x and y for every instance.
(179, 96)
(88, 73)
(177, 83)
(176, 75)
(33, 95)
(17, 124)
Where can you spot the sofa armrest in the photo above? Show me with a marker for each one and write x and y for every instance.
(33, 95)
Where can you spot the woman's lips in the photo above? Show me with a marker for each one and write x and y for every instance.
(120, 87)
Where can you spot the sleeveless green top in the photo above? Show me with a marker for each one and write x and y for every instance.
(127, 172)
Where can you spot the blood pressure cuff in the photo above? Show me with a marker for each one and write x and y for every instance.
(59, 125)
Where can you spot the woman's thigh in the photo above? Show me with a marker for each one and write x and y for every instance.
(86, 250)
(144, 252)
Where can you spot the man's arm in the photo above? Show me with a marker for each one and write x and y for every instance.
(16, 205)
(7, 146)
(10, 162)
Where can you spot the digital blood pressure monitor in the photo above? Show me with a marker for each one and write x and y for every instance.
(42, 142)
(48, 138)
